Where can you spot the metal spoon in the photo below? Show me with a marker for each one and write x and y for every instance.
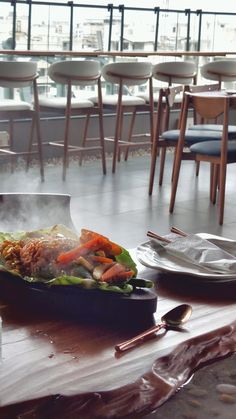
(175, 317)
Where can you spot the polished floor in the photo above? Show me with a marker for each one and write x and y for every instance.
(118, 205)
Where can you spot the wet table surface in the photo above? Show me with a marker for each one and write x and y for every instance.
(44, 354)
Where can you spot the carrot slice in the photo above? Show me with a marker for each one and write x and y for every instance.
(102, 259)
(90, 246)
(87, 235)
(116, 273)
(113, 248)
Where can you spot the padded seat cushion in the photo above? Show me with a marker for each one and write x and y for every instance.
(60, 103)
(213, 148)
(192, 136)
(14, 105)
(126, 100)
(215, 127)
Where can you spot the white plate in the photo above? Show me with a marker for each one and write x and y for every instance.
(152, 256)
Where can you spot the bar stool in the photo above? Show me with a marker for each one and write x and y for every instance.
(220, 71)
(19, 75)
(76, 73)
(172, 73)
(175, 72)
(127, 74)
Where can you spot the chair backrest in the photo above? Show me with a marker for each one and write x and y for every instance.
(76, 72)
(131, 74)
(208, 107)
(199, 89)
(224, 70)
(17, 73)
(166, 101)
(175, 72)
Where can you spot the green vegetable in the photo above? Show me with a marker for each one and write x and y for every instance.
(125, 259)
(141, 283)
(73, 280)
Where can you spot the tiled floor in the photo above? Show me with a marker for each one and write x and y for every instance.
(118, 205)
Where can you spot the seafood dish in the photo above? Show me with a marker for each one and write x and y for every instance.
(56, 256)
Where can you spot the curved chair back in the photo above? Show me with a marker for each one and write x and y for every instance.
(224, 70)
(172, 72)
(17, 73)
(132, 74)
(76, 72)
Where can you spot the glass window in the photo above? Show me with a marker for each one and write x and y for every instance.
(50, 28)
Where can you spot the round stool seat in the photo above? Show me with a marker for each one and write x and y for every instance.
(14, 105)
(61, 103)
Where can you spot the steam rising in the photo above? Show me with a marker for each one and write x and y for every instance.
(34, 211)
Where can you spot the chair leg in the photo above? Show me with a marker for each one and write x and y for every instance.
(214, 179)
(162, 164)
(175, 171)
(173, 167)
(197, 168)
(154, 154)
(222, 180)
(179, 153)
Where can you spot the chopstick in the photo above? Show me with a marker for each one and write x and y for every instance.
(164, 239)
(178, 231)
(156, 236)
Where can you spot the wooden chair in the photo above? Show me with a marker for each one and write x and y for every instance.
(217, 153)
(128, 74)
(216, 126)
(164, 138)
(21, 75)
(76, 73)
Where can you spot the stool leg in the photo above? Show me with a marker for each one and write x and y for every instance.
(30, 143)
(67, 131)
(101, 128)
(118, 127)
(84, 138)
(38, 131)
(130, 132)
(120, 134)
(13, 160)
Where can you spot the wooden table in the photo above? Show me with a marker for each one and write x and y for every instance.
(44, 355)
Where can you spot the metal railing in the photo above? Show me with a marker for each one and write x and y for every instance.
(188, 26)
